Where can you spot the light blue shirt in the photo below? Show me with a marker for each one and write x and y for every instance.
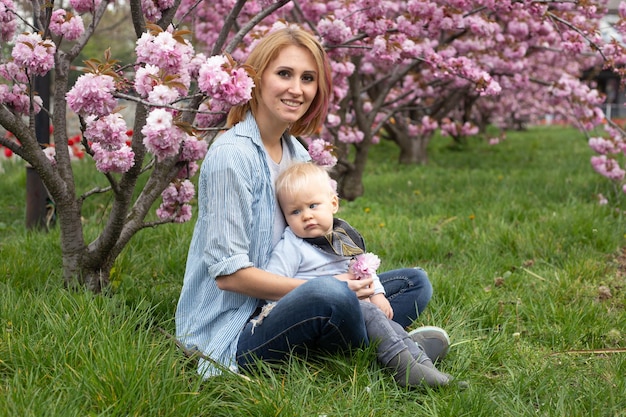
(294, 257)
(234, 230)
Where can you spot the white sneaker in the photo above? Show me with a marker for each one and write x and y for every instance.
(434, 340)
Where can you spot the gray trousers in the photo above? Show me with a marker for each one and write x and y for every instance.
(389, 335)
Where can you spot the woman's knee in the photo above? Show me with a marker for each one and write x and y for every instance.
(420, 280)
(333, 293)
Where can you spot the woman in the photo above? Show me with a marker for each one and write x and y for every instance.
(239, 222)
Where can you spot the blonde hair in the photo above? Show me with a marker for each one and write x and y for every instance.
(265, 52)
(301, 175)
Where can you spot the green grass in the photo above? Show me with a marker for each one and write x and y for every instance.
(517, 247)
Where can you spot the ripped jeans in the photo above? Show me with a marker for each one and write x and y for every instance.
(323, 315)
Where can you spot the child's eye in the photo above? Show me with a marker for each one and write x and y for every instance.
(295, 212)
(314, 205)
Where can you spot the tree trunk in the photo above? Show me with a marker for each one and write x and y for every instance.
(413, 151)
(349, 176)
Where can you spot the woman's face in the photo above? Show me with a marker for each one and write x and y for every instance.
(288, 87)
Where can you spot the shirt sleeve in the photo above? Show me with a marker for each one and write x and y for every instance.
(228, 211)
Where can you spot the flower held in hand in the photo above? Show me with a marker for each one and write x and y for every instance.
(364, 265)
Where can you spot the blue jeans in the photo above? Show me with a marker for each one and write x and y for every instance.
(408, 290)
(323, 315)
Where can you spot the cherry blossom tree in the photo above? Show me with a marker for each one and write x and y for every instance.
(402, 70)
(406, 69)
(181, 97)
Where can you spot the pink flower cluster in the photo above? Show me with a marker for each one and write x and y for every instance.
(222, 81)
(609, 149)
(92, 95)
(18, 99)
(456, 129)
(350, 134)
(107, 135)
(85, 6)
(364, 265)
(153, 9)
(34, 53)
(161, 136)
(8, 22)
(334, 31)
(322, 152)
(212, 113)
(66, 24)
(607, 167)
(175, 201)
(166, 52)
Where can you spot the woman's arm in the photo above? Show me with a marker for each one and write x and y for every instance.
(258, 283)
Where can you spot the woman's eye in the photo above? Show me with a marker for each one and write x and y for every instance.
(308, 78)
(283, 73)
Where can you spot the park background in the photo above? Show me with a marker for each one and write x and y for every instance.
(522, 239)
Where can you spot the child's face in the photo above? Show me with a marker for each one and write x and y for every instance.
(309, 212)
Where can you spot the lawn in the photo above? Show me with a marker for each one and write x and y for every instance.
(528, 271)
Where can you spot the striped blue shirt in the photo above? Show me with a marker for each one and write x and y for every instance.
(234, 230)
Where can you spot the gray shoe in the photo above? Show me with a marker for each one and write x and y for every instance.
(434, 340)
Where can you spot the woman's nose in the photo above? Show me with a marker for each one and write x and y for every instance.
(295, 87)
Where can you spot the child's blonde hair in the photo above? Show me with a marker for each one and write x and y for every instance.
(300, 175)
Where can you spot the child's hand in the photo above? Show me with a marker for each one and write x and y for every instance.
(381, 301)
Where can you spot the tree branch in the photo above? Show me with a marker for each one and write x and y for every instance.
(252, 23)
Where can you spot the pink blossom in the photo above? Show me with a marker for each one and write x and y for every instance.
(363, 266)
(84, 6)
(34, 53)
(67, 25)
(109, 131)
(150, 10)
(219, 80)
(322, 153)
(212, 113)
(117, 160)
(162, 94)
(188, 170)
(428, 126)
(349, 134)
(8, 21)
(17, 98)
(50, 152)
(332, 120)
(181, 213)
(165, 52)
(607, 167)
(12, 72)
(602, 146)
(175, 199)
(193, 149)
(92, 94)
(334, 31)
(161, 137)
(146, 78)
